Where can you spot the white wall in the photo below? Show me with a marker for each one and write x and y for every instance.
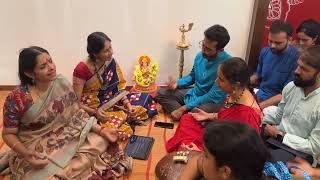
(136, 27)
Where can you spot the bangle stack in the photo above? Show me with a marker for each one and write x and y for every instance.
(214, 116)
(96, 113)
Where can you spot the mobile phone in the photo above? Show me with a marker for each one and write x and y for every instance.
(164, 125)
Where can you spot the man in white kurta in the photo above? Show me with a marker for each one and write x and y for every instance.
(297, 117)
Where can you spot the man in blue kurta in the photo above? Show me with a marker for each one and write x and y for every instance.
(178, 97)
(276, 65)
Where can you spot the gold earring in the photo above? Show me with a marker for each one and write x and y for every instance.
(234, 90)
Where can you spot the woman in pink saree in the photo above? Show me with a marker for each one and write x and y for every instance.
(50, 136)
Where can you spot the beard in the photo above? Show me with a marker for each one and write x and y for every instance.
(279, 51)
(210, 58)
(299, 82)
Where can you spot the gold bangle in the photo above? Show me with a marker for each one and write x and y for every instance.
(15, 144)
(96, 112)
(127, 102)
(214, 116)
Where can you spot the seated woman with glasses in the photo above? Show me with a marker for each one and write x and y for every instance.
(50, 136)
(240, 105)
(99, 84)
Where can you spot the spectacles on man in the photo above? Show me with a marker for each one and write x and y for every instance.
(202, 46)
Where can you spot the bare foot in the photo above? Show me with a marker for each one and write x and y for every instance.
(176, 114)
(191, 147)
(110, 134)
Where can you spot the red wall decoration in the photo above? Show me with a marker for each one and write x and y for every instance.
(292, 11)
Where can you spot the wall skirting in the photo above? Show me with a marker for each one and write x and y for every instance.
(7, 87)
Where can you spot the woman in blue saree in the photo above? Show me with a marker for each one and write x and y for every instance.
(99, 84)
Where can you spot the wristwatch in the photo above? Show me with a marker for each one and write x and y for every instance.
(280, 136)
(263, 127)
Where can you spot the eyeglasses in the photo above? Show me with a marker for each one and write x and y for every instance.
(202, 46)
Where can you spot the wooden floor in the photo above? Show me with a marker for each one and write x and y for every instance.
(141, 169)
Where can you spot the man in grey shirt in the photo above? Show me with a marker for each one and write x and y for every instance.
(296, 120)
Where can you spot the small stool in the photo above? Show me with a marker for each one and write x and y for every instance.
(167, 169)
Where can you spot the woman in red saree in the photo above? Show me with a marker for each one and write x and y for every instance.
(233, 78)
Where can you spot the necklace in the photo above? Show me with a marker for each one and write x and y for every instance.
(36, 91)
(230, 104)
(104, 85)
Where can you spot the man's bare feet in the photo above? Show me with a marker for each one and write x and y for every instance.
(176, 114)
